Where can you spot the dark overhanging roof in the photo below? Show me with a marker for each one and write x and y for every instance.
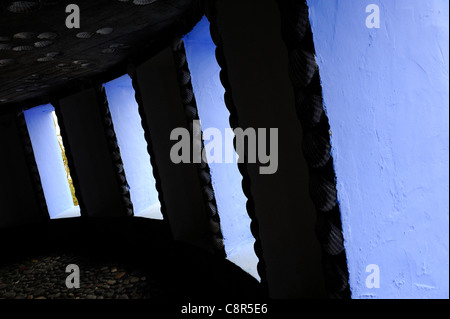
(39, 55)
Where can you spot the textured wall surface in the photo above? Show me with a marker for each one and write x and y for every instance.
(133, 147)
(386, 96)
(48, 157)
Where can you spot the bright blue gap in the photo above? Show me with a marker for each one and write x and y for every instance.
(47, 152)
(133, 147)
(226, 179)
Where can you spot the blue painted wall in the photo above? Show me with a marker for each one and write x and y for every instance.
(387, 99)
(231, 201)
(48, 158)
(131, 140)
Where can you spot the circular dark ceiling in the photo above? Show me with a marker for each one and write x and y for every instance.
(39, 53)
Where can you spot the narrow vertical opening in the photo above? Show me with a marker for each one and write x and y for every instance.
(226, 178)
(133, 147)
(51, 161)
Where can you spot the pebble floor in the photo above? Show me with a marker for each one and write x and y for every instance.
(44, 277)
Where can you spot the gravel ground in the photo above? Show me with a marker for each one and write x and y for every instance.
(44, 277)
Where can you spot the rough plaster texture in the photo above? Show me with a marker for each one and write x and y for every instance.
(386, 96)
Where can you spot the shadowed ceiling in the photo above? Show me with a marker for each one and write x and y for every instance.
(39, 54)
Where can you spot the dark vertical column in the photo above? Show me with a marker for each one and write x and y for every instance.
(259, 94)
(22, 198)
(90, 158)
(316, 145)
(161, 108)
(234, 123)
(150, 148)
(32, 165)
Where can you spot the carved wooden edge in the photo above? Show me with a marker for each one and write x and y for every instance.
(316, 146)
(114, 149)
(211, 14)
(204, 174)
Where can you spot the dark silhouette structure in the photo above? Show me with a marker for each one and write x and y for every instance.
(266, 54)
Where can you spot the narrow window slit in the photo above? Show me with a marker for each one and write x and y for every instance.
(226, 178)
(51, 160)
(133, 147)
